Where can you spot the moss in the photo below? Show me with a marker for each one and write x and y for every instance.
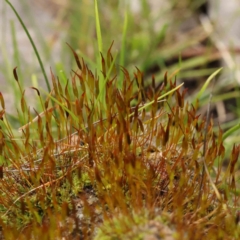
(116, 163)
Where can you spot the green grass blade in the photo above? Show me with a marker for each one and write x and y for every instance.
(101, 92)
(205, 85)
(231, 131)
(159, 98)
(100, 47)
(123, 50)
(98, 27)
(33, 44)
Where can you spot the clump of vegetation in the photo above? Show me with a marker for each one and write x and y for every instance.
(110, 162)
(112, 155)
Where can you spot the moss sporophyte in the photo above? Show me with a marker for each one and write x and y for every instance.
(115, 163)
